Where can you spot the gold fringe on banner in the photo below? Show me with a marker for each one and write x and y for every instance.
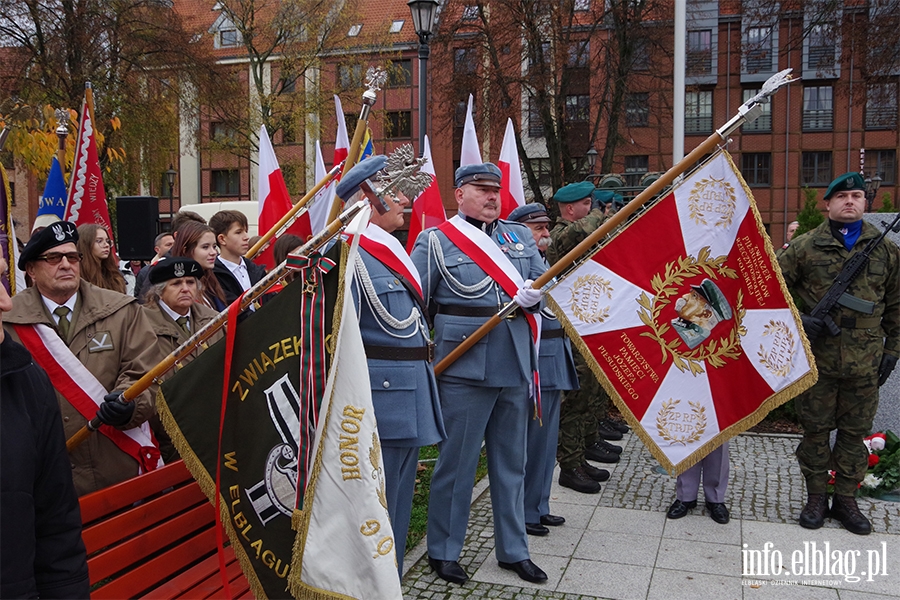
(300, 519)
(208, 486)
(772, 402)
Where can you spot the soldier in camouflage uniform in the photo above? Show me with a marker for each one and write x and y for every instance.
(853, 364)
(579, 430)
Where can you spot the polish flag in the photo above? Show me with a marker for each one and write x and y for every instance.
(471, 153)
(86, 202)
(427, 209)
(341, 142)
(512, 192)
(321, 204)
(274, 200)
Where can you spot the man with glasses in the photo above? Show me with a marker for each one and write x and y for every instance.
(94, 343)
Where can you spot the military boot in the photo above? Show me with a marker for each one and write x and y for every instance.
(845, 510)
(577, 480)
(813, 514)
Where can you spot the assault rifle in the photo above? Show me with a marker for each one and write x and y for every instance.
(836, 294)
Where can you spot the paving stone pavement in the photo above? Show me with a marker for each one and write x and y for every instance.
(618, 544)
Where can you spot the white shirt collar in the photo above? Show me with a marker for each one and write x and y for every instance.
(239, 270)
(175, 316)
(52, 305)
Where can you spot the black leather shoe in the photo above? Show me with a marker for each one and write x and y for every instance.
(609, 447)
(526, 570)
(620, 427)
(536, 529)
(718, 512)
(680, 509)
(607, 432)
(596, 452)
(448, 570)
(845, 510)
(552, 520)
(575, 479)
(598, 475)
(813, 514)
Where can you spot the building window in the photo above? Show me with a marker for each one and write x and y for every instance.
(465, 61)
(350, 76)
(759, 49)
(578, 108)
(541, 168)
(398, 125)
(539, 54)
(817, 108)
(229, 38)
(470, 12)
(637, 109)
(881, 106)
(764, 121)
(822, 47)
(816, 168)
(396, 26)
(699, 52)
(461, 107)
(698, 111)
(288, 84)
(756, 168)
(885, 162)
(535, 125)
(640, 58)
(579, 54)
(354, 30)
(635, 168)
(289, 131)
(582, 4)
(225, 182)
(220, 132)
(400, 73)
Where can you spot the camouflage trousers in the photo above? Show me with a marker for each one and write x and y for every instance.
(847, 404)
(578, 415)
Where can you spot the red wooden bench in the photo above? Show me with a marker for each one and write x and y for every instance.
(162, 547)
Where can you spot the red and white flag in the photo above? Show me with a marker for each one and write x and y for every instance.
(274, 200)
(321, 205)
(470, 153)
(427, 208)
(695, 336)
(341, 141)
(512, 192)
(87, 197)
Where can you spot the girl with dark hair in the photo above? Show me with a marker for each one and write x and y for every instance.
(198, 242)
(98, 263)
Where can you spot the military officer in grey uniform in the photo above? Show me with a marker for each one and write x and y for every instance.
(471, 266)
(852, 363)
(557, 373)
(395, 331)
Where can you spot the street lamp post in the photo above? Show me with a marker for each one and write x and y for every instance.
(872, 185)
(423, 13)
(592, 160)
(170, 178)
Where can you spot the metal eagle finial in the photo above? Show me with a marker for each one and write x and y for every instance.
(403, 172)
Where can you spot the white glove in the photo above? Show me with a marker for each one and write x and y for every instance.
(527, 296)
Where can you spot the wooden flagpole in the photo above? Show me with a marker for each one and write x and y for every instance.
(747, 112)
(251, 295)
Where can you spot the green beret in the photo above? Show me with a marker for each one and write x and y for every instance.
(845, 183)
(574, 192)
(604, 196)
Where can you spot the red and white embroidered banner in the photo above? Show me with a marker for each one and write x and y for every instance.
(87, 197)
(685, 318)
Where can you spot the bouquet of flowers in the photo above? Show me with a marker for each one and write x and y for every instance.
(883, 476)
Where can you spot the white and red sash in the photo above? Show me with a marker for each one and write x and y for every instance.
(82, 390)
(388, 250)
(482, 249)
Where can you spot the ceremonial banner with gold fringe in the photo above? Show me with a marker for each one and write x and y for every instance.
(345, 546)
(268, 428)
(686, 321)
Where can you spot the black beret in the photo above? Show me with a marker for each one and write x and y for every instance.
(57, 234)
(174, 267)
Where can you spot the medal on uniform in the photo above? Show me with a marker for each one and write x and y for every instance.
(520, 247)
